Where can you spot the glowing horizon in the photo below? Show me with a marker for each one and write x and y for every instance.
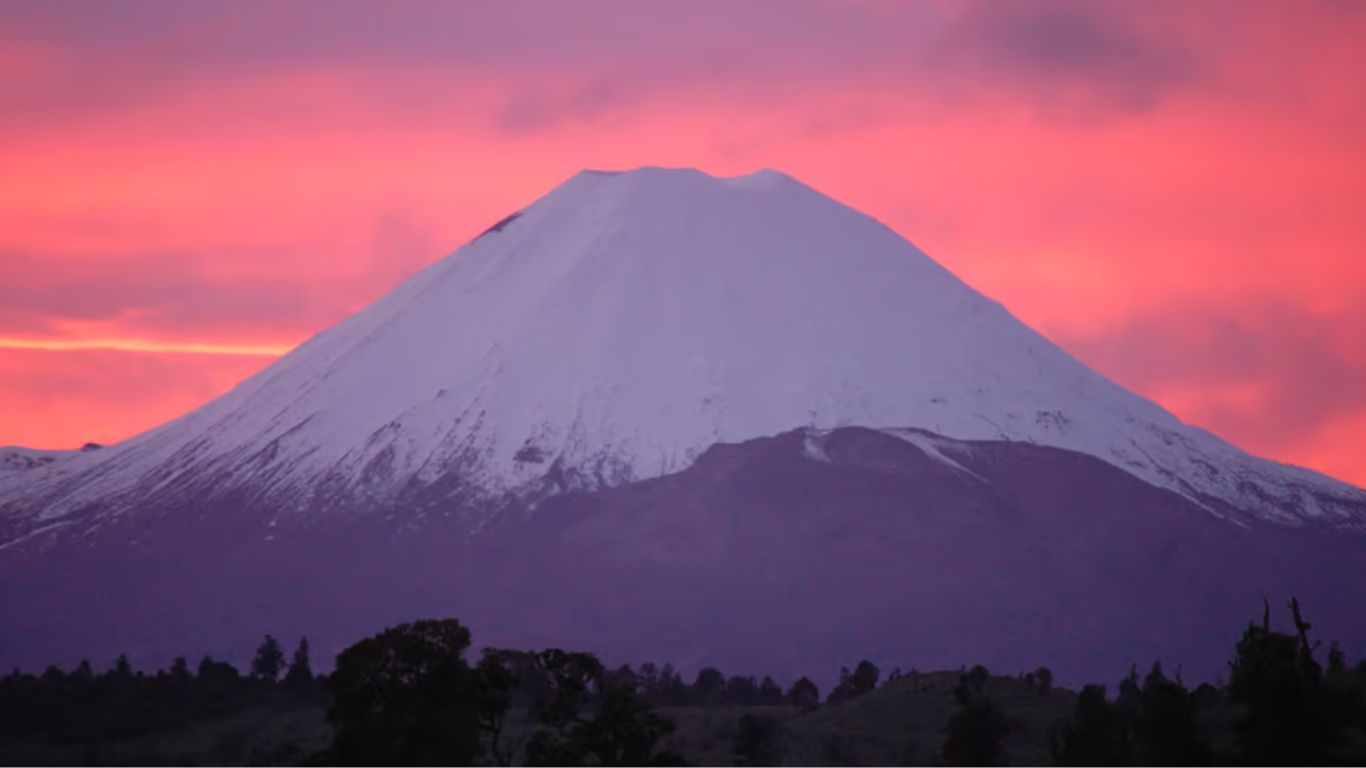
(145, 345)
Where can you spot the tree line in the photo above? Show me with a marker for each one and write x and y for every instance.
(85, 707)
(412, 695)
(1287, 708)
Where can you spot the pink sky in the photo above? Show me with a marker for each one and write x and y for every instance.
(1173, 192)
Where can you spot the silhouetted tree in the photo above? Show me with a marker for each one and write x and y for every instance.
(496, 679)
(623, 677)
(568, 677)
(804, 694)
(300, 672)
(216, 675)
(1286, 717)
(670, 688)
(769, 692)
(179, 675)
(1337, 661)
(1129, 700)
(741, 690)
(1043, 679)
(648, 679)
(862, 680)
(1348, 686)
(1166, 732)
(406, 696)
(122, 671)
(1095, 736)
(709, 687)
(269, 661)
(977, 677)
(974, 733)
(623, 730)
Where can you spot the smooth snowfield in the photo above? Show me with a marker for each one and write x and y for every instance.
(621, 325)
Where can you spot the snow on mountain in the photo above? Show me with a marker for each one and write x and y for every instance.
(15, 459)
(619, 326)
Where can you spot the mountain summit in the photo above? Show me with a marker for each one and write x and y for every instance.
(591, 423)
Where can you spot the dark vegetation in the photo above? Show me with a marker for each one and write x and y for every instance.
(203, 713)
(415, 694)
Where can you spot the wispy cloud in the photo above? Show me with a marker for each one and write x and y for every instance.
(144, 345)
(1100, 55)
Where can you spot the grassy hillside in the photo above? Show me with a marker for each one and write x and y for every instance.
(903, 721)
(900, 723)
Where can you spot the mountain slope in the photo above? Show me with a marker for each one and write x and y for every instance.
(785, 555)
(15, 459)
(612, 331)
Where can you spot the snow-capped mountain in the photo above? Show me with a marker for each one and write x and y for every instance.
(658, 402)
(616, 328)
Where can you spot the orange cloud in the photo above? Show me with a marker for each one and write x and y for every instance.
(197, 187)
(144, 345)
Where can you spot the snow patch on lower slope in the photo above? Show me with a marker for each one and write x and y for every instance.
(933, 447)
(813, 446)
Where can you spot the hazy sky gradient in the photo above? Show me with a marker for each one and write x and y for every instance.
(1172, 191)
